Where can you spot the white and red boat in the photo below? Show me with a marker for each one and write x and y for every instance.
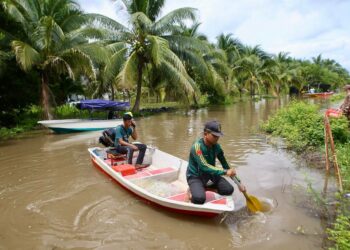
(321, 94)
(163, 183)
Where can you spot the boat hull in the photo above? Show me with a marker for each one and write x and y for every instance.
(79, 125)
(211, 208)
(321, 95)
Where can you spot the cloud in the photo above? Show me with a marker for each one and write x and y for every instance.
(305, 28)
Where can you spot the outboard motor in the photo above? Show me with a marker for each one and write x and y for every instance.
(108, 137)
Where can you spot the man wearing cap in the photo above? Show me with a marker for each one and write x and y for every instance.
(201, 165)
(122, 144)
(345, 107)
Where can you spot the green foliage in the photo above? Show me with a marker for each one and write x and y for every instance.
(337, 97)
(340, 131)
(340, 233)
(162, 104)
(299, 123)
(343, 153)
(25, 119)
(9, 132)
(302, 126)
(67, 111)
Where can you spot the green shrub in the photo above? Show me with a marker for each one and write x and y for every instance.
(338, 97)
(9, 132)
(340, 131)
(343, 157)
(66, 111)
(302, 127)
(299, 123)
(340, 233)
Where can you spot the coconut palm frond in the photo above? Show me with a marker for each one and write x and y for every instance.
(103, 21)
(48, 34)
(26, 55)
(16, 11)
(187, 43)
(114, 65)
(153, 8)
(91, 33)
(178, 16)
(218, 54)
(95, 51)
(80, 62)
(174, 75)
(115, 46)
(158, 47)
(59, 65)
(127, 76)
(140, 21)
(195, 61)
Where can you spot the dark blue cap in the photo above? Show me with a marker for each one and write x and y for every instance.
(213, 127)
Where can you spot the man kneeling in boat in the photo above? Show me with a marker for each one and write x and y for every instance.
(201, 165)
(122, 144)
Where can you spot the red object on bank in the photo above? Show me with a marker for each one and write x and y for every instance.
(333, 113)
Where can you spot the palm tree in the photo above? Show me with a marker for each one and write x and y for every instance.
(252, 68)
(232, 47)
(54, 40)
(207, 65)
(149, 43)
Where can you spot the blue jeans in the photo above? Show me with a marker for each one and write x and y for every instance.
(198, 184)
(129, 151)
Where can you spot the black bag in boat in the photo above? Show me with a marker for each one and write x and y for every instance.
(108, 137)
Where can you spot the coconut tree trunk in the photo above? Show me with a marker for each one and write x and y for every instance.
(252, 90)
(195, 100)
(136, 107)
(45, 93)
(112, 92)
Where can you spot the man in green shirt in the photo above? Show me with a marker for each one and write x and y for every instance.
(122, 144)
(201, 165)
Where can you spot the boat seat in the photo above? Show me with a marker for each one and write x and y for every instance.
(115, 157)
(210, 197)
(144, 173)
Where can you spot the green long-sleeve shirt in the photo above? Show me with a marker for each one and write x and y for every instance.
(202, 159)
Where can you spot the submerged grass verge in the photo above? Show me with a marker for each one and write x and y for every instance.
(301, 125)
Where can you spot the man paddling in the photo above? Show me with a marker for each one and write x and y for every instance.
(122, 144)
(201, 165)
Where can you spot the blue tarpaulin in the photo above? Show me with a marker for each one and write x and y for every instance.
(97, 104)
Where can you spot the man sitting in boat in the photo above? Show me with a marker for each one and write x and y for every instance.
(122, 144)
(201, 165)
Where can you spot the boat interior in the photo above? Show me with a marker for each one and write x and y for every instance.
(165, 175)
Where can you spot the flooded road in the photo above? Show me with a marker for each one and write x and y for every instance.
(51, 197)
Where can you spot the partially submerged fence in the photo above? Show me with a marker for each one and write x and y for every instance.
(331, 156)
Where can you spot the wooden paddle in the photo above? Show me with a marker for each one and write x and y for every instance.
(253, 204)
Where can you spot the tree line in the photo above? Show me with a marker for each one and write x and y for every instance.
(52, 48)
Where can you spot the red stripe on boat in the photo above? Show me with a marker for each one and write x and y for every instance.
(160, 171)
(221, 201)
(140, 174)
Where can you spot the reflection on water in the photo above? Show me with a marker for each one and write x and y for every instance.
(52, 198)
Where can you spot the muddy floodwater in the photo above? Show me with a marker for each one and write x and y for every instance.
(51, 197)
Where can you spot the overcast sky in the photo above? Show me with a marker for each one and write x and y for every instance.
(304, 28)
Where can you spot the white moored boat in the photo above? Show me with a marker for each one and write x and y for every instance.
(79, 125)
(82, 125)
(163, 183)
